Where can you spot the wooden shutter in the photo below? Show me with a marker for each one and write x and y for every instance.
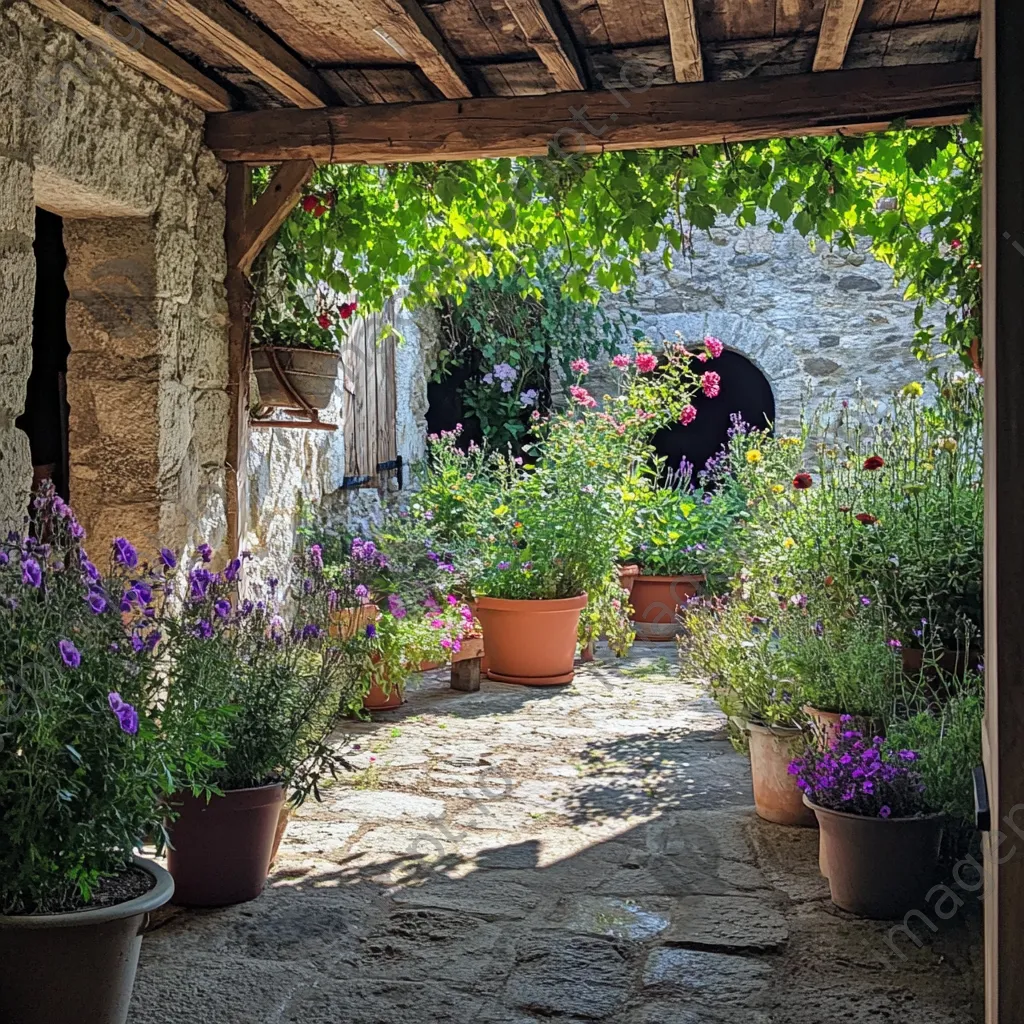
(370, 408)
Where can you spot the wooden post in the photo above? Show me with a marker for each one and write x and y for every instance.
(1003, 74)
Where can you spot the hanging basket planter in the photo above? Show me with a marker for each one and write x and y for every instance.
(299, 380)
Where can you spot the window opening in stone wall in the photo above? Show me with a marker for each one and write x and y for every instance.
(45, 418)
(744, 390)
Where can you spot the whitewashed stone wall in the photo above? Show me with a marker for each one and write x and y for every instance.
(121, 159)
(813, 322)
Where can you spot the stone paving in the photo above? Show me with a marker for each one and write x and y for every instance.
(575, 854)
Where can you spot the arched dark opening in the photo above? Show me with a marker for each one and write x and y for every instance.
(744, 390)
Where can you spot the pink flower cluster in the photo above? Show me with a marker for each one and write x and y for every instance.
(580, 366)
(711, 384)
(646, 362)
(583, 396)
(622, 362)
(688, 415)
(714, 346)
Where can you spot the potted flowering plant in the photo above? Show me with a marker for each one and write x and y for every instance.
(288, 686)
(879, 844)
(88, 757)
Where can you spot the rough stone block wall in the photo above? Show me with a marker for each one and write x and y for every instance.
(121, 159)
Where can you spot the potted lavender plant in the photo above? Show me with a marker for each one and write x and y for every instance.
(87, 759)
(879, 845)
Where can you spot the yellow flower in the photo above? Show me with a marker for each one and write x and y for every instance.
(777, 488)
(948, 444)
(789, 543)
(912, 390)
(753, 456)
(788, 441)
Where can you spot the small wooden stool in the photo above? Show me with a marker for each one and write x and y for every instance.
(466, 665)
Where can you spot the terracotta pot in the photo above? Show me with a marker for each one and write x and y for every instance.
(656, 601)
(627, 576)
(949, 662)
(220, 851)
(76, 967)
(879, 867)
(347, 622)
(826, 726)
(430, 666)
(532, 643)
(776, 796)
(287, 374)
(283, 817)
(379, 699)
(587, 652)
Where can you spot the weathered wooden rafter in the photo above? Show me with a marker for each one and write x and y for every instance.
(138, 49)
(545, 31)
(413, 35)
(684, 40)
(837, 24)
(670, 115)
(244, 41)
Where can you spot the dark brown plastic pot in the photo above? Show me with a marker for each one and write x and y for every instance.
(878, 867)
(220, 851)
(78, 967)
(656, 601)
(776, 796)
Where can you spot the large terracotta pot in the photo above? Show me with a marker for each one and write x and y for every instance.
(776, 796)
(532, 643)
(347, 622)
(291, 378)
(878, 867)
(827, 726)
(627, 576)
(383, 695)
(77, 967)
(220, 851)
(656, 601)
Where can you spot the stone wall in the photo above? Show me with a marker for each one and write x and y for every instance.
(813, 322)
(121, 159)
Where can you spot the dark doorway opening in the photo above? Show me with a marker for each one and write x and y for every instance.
(744, 391)
(45, 419)
(445, 407)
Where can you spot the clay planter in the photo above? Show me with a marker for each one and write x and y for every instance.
(776, 796)
(76, 967)
(878, 867)
(347, 622)
(283, 817)
(430, 666)
(220, 851)
(656, 601)
(826, 726)
(381, 697)
(532, 643)
(627, 577)
(298, 379)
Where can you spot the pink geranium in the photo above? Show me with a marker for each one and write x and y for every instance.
(621, 362)
(583, 396)
(711, 384)
(580, 366)
(646, 363)
(714, 346)
(688, 415)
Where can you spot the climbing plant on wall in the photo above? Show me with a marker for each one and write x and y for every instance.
(433, 228)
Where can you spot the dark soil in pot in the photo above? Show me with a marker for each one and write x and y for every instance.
(79, 967)
(220, 851)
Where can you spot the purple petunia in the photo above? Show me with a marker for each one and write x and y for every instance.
(234, 567)
(168, 558)
(203, 630)
(222, 607)
(396, 607)
(311, 631)
(371, 631)
(97, 601)
(205, 552)
(199, 581)
(125, 554)
(31, 574)
(69, 654)
(127, 716)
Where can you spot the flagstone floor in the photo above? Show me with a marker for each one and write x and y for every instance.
(572, 854)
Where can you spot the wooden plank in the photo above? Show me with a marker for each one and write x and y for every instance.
(751, 58)
(735, 19)
(524, 78)
(132, 45)
(685, 41)
(545, 31)
(670, 115)
(837, 25)
(1003, 735)
(269, 212)
(633, 68)
(413, 33)
(245, 42)
(940, 42)
(797, 17)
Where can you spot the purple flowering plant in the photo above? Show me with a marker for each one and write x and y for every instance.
(861, 776)
(86, 757)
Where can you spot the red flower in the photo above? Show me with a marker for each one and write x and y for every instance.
(346, 309)
(324, 321)
(688, 415)
(874, 462)
(866, 518)
(310, 203)
(319, 210)
(956, 244)
(829, 581)
(711, 384)
(802, 481)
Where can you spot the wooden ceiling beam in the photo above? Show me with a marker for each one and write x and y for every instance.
(542, 25)
(837, 24)
(684, 40)
(131, 44)
(867, 99)
(241, 39)
(411, 33)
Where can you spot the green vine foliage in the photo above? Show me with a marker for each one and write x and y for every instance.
(431, 229)
(510, 332)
